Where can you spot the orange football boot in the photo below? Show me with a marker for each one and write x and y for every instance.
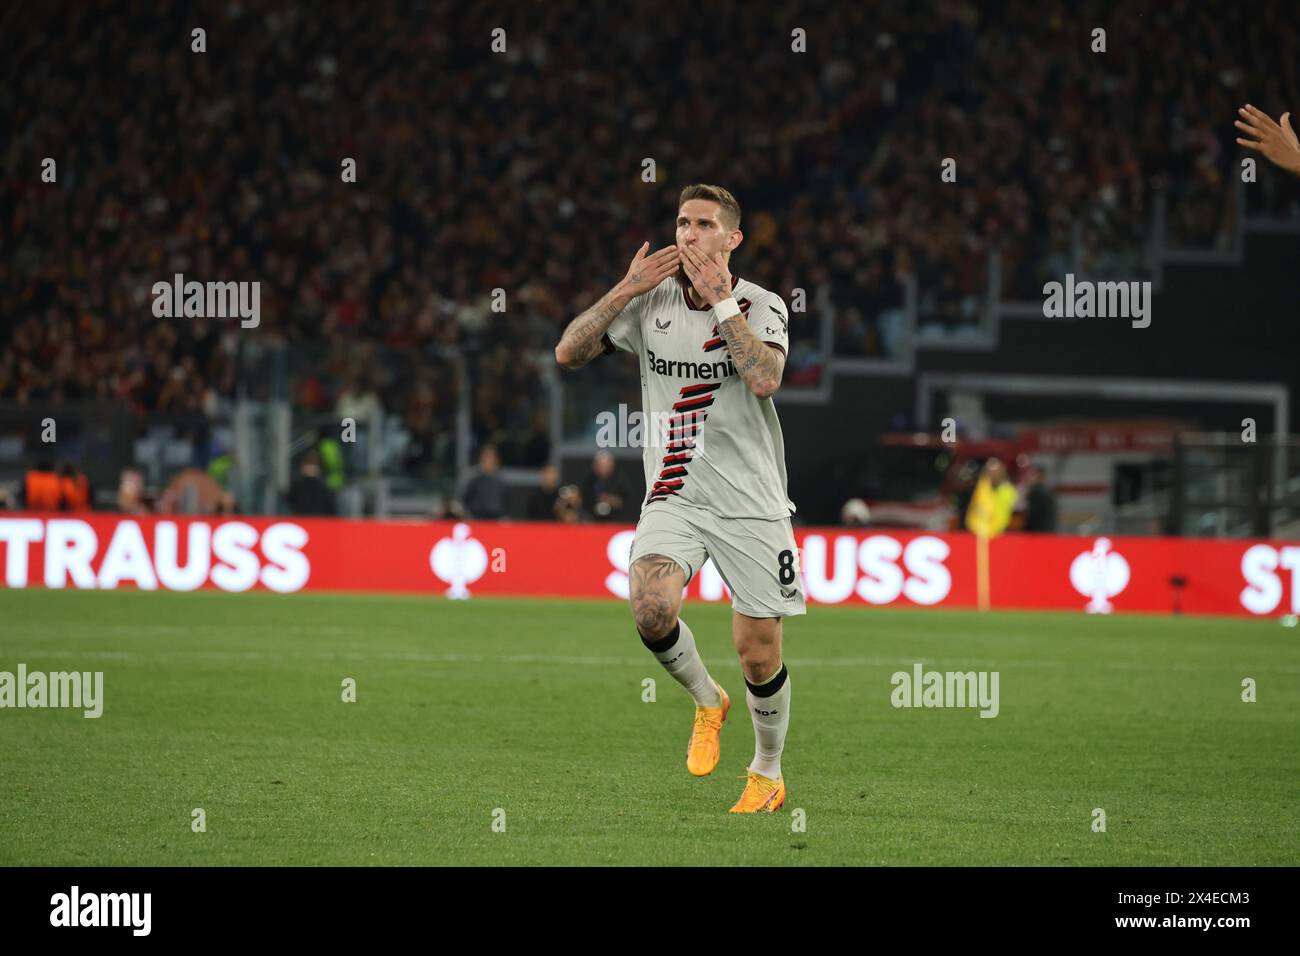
(704, 748)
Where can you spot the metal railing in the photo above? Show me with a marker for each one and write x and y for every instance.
(1222, 486)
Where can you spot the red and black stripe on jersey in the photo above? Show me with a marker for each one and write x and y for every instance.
(693, 404)
(682, 431)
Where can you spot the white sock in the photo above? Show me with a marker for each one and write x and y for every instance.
(680, 658)
(771, 716)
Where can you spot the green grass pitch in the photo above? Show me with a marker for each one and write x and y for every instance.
(233, 704)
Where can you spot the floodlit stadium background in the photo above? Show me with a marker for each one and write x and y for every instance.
(387, 478)
(497, 194)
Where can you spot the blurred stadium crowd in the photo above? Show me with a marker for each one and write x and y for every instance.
(522, 172)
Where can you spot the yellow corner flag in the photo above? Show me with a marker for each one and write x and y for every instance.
(987, 517)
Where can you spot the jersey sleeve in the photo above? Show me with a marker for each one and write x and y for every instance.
(770, 321)
(624, 333)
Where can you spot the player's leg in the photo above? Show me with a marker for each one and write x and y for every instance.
(655, 583)
(665, 555)
(767, 691)
(758, 560)
(656, 598)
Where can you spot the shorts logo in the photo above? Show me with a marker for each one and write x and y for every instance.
(787, 594)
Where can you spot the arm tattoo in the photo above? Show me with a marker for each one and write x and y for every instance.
(585, 332)
(759, 364)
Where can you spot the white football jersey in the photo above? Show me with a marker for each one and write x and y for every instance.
(709, 441)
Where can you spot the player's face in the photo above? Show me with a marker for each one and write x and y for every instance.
(699, 224)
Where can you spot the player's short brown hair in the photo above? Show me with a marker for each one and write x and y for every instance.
(731, 208)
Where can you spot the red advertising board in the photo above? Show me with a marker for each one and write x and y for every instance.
(463, 560)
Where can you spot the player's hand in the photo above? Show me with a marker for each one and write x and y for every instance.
(1278, 143)
(646, 272)
(709, 274)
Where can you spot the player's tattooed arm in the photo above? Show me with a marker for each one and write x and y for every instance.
(759, 364)
(581, 341)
